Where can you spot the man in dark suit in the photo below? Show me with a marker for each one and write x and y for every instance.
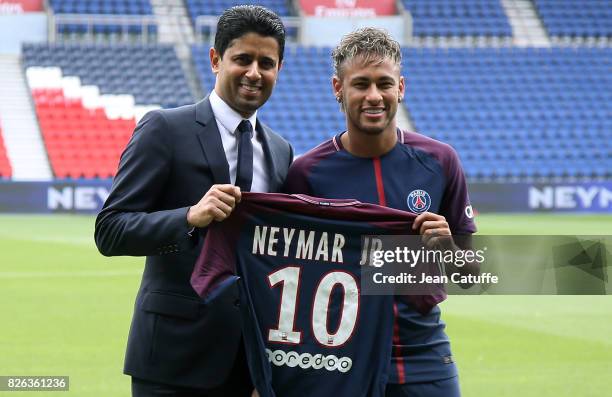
(183, 169)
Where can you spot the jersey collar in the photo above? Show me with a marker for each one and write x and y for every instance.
(337, 142)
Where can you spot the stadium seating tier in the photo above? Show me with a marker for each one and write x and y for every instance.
(85, 142)
(80, 142)
(458, 18)
(511, 113)
(576, 18)
(151, 73)
(516, 113)
(118, 8)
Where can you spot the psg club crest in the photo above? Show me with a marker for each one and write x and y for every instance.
(418, 201)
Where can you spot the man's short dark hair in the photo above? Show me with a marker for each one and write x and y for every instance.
(237, 21)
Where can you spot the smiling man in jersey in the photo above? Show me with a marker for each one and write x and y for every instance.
(373, 161)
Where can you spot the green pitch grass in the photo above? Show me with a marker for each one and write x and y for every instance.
(66, 311)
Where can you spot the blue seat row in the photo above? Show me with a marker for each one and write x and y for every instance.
(458, 18)
(107, 29)
(104, 7)
(120, 7)
(576, 18)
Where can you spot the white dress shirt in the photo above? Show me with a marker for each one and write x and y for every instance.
(227, 122)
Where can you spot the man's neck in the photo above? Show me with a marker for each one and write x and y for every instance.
(363, 145)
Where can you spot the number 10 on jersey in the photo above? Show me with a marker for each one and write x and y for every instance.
(289, 280)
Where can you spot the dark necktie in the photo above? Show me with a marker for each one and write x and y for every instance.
(244, 169)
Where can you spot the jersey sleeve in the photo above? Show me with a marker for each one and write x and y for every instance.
(455, 206)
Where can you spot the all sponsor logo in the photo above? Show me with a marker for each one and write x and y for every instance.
(418, 201)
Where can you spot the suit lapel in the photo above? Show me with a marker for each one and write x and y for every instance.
(210, 140)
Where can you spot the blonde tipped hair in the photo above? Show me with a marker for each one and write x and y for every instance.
(370, 45)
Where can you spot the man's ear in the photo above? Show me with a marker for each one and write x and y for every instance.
(337, 87)
(215, 60)
(402, 87)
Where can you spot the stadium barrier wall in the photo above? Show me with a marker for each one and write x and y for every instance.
(87, 196)
(542, 197)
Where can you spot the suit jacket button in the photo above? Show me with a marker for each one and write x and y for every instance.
(237, 303)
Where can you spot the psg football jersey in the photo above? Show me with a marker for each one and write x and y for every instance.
(419, 174)
(307, 329)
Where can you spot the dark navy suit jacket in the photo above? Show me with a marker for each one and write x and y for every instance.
(172, 159)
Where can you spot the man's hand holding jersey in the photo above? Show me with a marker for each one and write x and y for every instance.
(216, 205)
(435, 231)
(436, 235)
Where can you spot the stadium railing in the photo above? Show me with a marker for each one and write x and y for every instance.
(144, 26)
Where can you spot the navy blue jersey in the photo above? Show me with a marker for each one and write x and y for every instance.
(419, 174)
(307, 330)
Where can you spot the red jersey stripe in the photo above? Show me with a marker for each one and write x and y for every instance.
(401, 375)
(380, 188)
(379, 182)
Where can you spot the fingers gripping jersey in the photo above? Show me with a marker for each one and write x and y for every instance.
(307, 329)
